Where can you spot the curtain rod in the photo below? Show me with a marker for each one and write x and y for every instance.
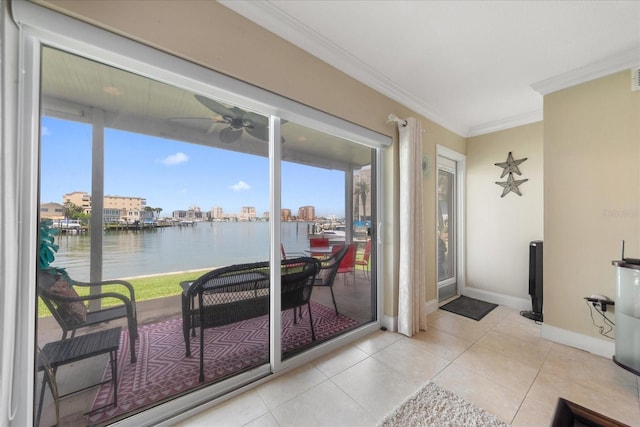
(393, 118)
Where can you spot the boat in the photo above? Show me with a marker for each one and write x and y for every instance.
(67, 224)
(337, 234)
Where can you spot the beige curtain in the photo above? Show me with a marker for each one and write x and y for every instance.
(411, 300)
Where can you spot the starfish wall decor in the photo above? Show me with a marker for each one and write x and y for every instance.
(509, 168)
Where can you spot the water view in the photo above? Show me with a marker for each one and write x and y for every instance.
(162, 250)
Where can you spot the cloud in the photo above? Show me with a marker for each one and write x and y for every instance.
(175, 159)
(240, 186)
(45, 131)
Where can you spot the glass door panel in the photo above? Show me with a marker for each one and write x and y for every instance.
(148, 183)
(446, 232)
(326, 191)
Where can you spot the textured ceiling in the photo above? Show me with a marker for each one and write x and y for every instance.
(467, 65)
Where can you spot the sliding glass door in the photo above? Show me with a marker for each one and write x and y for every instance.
(153, 184)
(324, 181)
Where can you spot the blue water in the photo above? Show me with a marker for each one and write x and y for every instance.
(170, 249)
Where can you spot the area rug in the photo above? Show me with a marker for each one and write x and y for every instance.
(433, 405)
(469, 307)
(163, 371)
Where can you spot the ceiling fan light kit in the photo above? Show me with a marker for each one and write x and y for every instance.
(238, 121)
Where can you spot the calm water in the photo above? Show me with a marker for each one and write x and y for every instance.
(162, 250)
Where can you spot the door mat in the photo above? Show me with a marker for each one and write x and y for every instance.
(469, 307)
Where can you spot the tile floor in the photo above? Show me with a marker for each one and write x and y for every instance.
(500, 364)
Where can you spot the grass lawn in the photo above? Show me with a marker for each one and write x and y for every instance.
(145, 288)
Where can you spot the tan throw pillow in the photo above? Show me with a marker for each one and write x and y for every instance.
(74, 312)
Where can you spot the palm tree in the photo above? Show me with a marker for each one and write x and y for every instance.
(362, 189)
(73, 211)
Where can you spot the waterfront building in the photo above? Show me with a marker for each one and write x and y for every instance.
(79, 198)
(216, 213)
(306, 213)
(131, 208)
(285, 214)
(192, 214)
(123, 209)
(248, 213)
(51, 211)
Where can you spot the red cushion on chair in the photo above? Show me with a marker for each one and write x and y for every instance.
(74, 311)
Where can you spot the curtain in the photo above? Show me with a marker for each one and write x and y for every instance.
(411, 299)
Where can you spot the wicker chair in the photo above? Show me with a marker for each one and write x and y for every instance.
(329, 270)
(69, 309)
(240, 292)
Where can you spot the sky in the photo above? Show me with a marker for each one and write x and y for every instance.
(175, 175)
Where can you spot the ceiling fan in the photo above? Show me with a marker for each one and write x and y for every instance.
(238, 121)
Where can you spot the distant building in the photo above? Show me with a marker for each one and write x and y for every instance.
(78, 198)
(51, 211)
(123, 209)
(248, 213)
(194, 213)
(131, 208)
(306, 213)
(285, 215)
(179, 214)
(216, 213)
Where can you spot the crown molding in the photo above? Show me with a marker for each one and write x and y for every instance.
(274, 19)
(612, 64)
(506, 123)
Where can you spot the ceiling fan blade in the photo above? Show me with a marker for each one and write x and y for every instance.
(258, 127)
(229, 135)
(217, 108)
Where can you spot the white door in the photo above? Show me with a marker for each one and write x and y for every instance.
(450, 180)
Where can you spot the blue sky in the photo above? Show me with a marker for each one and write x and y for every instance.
(173, 175)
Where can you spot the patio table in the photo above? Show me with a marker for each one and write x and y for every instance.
(59, 353)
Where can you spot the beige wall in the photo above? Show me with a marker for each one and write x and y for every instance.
(499, 229)
(591, 194)
(209, 34)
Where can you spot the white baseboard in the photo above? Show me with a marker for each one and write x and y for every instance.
(390, 322)
(431, 306)
(561, 336)
(512, 302)
(574, 339)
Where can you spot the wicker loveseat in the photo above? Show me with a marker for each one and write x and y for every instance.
(240, 292)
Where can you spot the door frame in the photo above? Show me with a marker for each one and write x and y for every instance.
(460, 159)
(111, 49)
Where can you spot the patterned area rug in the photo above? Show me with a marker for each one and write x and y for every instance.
(162, 370)
(435, 406)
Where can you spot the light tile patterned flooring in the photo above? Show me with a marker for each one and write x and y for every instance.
(499, 363)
